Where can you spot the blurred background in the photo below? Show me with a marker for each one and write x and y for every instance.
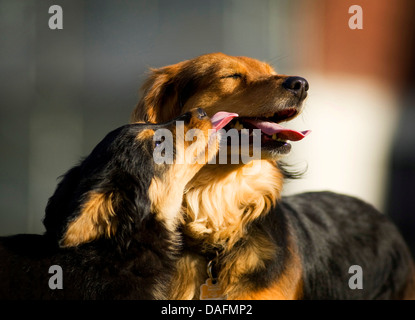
(63, 90)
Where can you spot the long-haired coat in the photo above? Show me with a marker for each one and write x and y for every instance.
(111, 225)
(262, 245)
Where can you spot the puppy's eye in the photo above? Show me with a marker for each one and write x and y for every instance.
(159, 141)
(234, 76)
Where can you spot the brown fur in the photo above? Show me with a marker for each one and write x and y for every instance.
(218, 196)
(221, 200)
(145, 134)
(288, 286)
(113, 216)
(235, 196)
(190, 275)
(97, 218)
(409, 291)
(163, 97)
(165, 201)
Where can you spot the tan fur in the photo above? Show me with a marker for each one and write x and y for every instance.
(194, 153)
(221, 200)
(165, 203)
(287, 286)
(97, 215)
(257, 249)
(409, 292)
(161, 93)
(227, 226)
(190, 275)
(252, 256)
(97, 218)
(145, 134)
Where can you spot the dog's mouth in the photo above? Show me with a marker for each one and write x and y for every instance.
(274, 136)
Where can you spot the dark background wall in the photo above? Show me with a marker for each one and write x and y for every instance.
(62, 90)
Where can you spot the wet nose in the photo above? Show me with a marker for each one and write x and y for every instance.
(297, 85)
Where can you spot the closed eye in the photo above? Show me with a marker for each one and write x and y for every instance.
(233, 76)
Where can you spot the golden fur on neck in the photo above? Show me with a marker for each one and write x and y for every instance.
(219, 203)
(221, 200)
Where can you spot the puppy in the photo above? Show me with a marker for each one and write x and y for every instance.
(111, 223)
(238, 229)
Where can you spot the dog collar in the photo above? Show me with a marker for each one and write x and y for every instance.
(212, 289)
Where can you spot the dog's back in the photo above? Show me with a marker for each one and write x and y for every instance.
(336, 232)
(91, 271)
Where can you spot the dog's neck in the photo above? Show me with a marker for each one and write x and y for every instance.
(221, 201)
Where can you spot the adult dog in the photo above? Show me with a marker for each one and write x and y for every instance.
(257, 244)
(111, 225)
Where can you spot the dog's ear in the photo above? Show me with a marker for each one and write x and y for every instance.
(159, 97)
(111, 215)
(164, 93)
(77, 213)
(62, 203)
(96, 218)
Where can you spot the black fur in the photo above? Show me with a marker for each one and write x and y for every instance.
(335, 232)
(332, 233)
(120, 164)
(135, 263)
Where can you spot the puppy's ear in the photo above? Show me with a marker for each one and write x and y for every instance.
(112, 215)
(96, 218)
(62, 203)
(75, 215)
(159, 96)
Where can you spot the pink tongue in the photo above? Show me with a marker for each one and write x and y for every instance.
(270, 128)
(221, 119)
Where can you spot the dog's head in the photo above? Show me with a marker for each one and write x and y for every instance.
(138, 171)
(218, 82)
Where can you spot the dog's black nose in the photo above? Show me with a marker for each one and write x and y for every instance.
(297, 85)
(201, 113)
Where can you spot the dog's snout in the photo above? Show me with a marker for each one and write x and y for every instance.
(297, 85)
(201, 113)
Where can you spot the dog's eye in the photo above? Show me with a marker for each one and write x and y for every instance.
(159, 141)
(234, 76)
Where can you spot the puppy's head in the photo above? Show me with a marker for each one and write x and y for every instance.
(218, 82)
(136, 172)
